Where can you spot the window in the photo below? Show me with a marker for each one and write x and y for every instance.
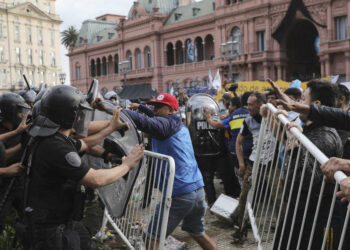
(129, 57)
(30, 56)
(52, 39)
(138, 57)
(16, 33)
(177, 16)
(53, 59)
(236, 39)
(341, 25)
(40, 37)
(99, 38)
(19, 76)
(149, 59)
(29, 35)
(195, 11)
(42, 77)
(2, 56)
(41, 57)
(77, 72)
(31, 77)
(110, 35)
(3, 77)
(54, 78)
(0, 30)
(261, 40)
(48, 7)
(18, 55)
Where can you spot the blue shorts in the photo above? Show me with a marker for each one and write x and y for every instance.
(189, 208)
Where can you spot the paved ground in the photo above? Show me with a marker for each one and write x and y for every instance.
(218, 229)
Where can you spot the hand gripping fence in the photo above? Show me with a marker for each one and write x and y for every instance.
(289, 205)
(152, 190)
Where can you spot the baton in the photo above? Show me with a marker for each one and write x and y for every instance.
(13, 179)
(25, 79)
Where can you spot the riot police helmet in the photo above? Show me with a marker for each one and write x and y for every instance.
(64, 107)
(28, 95)
(13, 108)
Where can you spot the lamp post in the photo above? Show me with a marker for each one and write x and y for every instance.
(62, 77)
(230, 51)
(124, 67)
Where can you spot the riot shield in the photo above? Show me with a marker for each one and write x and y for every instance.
(206, 140)
(116, 195)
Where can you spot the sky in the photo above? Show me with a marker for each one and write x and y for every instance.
(77, 11)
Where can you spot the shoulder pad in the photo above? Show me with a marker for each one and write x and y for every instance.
(73, 159)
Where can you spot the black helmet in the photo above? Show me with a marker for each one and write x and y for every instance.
(11, 105)
(66, 107)
(28, 95)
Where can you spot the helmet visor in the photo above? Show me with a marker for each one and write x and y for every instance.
(82, 121)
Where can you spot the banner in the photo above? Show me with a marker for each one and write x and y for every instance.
(262, 86)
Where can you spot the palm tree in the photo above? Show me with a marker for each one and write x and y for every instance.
(69, 36)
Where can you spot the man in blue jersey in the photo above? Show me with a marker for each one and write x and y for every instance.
(233, 123)
(171, 137)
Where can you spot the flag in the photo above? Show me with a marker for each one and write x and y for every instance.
(171, 92)
(295, 84)
(210, 77)
(334, 79)
(217, 81)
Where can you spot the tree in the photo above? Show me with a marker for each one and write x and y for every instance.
(69, 36)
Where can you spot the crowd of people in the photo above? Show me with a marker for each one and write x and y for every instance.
(321, 113)
(44, 135)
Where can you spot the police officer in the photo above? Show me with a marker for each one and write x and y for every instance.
(53, 199)
(13, 109)
(207, 141)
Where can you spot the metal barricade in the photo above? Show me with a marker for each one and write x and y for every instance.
(152, 190)
(289, 205)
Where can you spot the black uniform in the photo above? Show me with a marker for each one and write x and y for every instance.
(55, 192)
(14, 197)
(208, 148)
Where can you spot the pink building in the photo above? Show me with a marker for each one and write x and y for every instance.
(167, 41)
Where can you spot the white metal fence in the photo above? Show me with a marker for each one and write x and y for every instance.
(153, 187)
(289, 205)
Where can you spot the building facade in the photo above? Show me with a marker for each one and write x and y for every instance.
(177, 42)
(29, 43)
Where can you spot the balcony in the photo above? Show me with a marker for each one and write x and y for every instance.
(188, 67)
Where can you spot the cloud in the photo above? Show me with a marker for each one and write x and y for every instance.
(76, 12)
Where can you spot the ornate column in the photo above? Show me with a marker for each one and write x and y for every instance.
(204, 58)
(347, 65)
(184, 53)
(327, 65)
(266, 70)
(250, 72)
(279, 72)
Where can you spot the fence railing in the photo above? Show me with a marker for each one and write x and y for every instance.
(152, 191)
(290, 206)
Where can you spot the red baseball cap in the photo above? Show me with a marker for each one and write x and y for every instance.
(167, 99)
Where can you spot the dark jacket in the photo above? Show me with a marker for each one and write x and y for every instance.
(325, 139)
(328, 141)
(331, 117)
(336, 118)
